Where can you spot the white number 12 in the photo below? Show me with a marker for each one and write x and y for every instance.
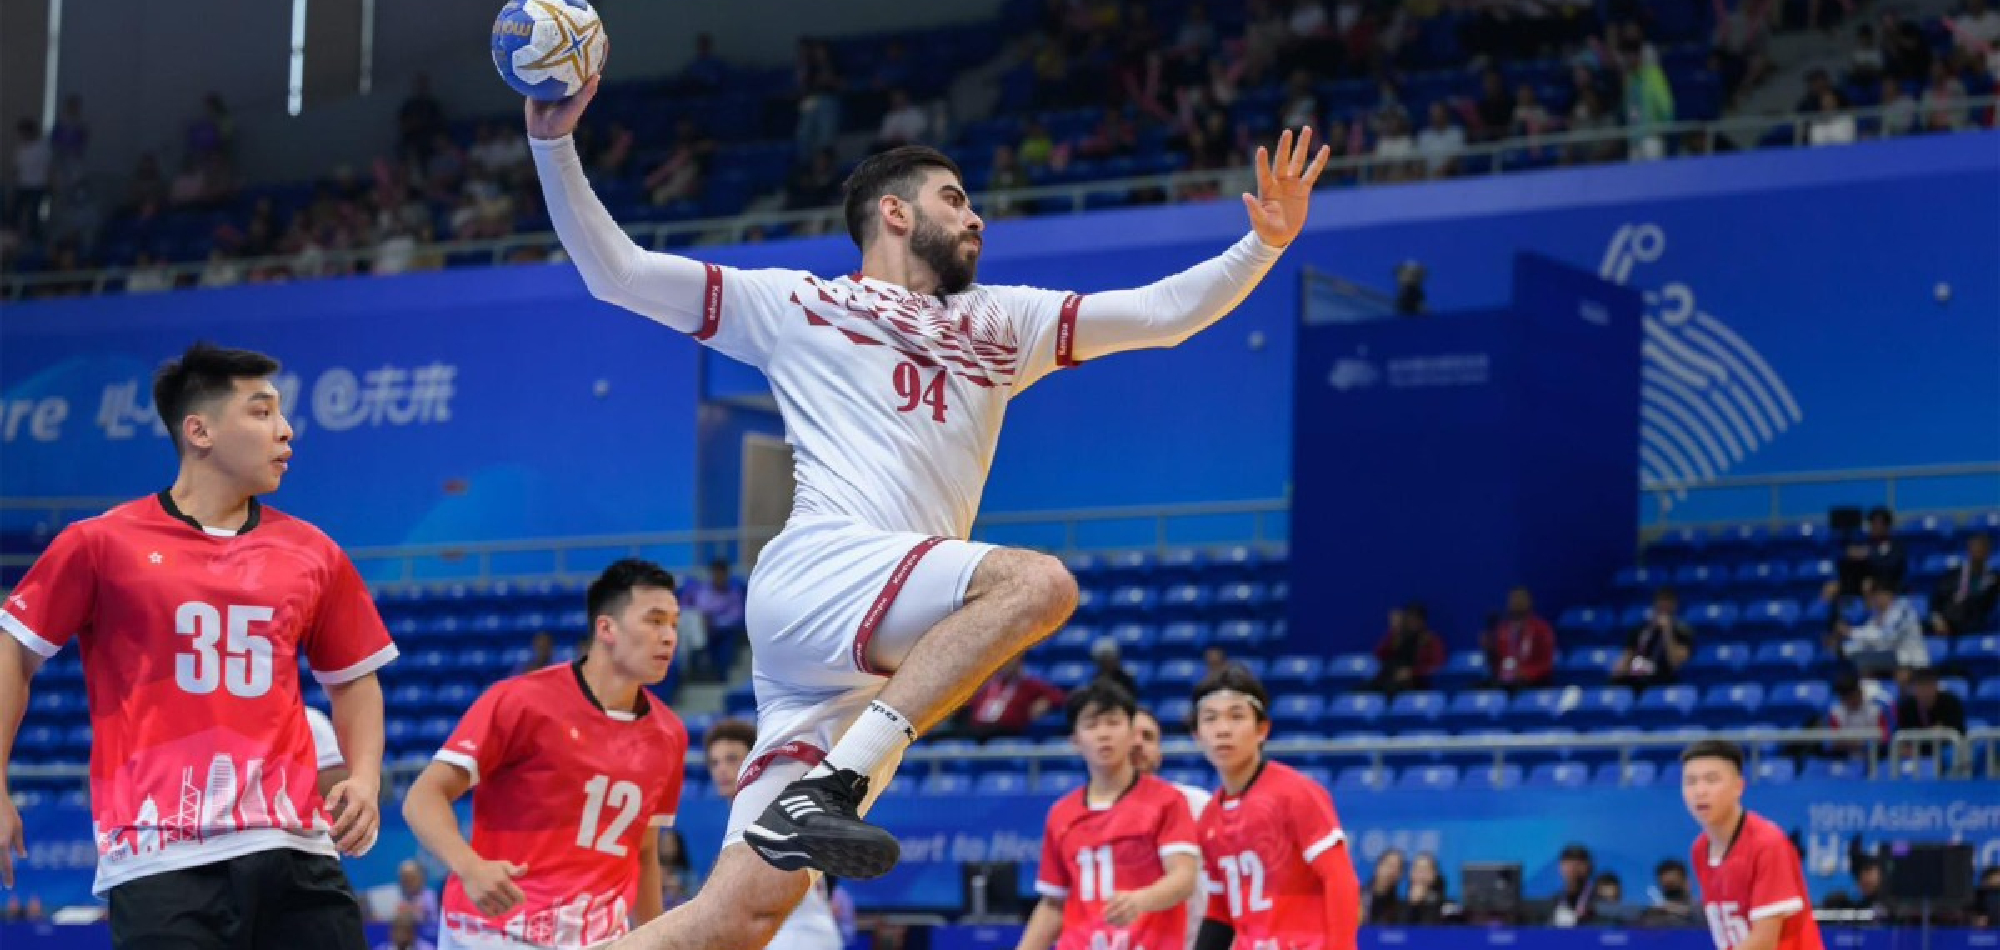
(598, 792)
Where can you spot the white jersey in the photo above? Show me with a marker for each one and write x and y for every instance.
(892, 400)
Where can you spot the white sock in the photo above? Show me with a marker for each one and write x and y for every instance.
(880, 733)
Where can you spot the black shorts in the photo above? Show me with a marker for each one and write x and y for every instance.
(276, 898)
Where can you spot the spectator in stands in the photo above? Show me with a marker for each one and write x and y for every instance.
(1573, 903)
(1944, 89)
(1906, 52)
(1978, 26)
(679, 177)
(1440, 142)
(414, 894)
(1867, 894)
(1672, 900)
(213, 133)
(1213, 660)
(819, 88)
(706, 72)
(1854, 713)
(1009, 702)
(1924, 706)
(1654, 652)
(69, 139)
(1649, 103)
(148, 276)
(815, 184)
(1110, 666)
(1835, 125)
(1875, 560)
(677, 880)
(32, 161)
(1607, 899)
(1385, 900)
(1865, 63)
(719, 598)
(904, 124)
(1899, 114)
(1965, 597)
(541, 652)
(403, 933)
(1423, 903)
(1985, 910)
(1409, 652)
(419, 121)
(1495, 108)
(1890, 642)
(1520, 646)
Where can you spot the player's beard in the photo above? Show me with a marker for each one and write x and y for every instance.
(944, 251)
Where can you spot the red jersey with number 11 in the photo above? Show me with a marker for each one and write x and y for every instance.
(1091, 852)
(1757, 876)
(191, 638)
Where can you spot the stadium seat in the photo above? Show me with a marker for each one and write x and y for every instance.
(1001, 783)
(1762, 577)
(1187, 601)
(1475, 708)
(1074, 640)
(1783, 658)
(1534, 706)
(1832, 769)
(1598, 707)
(1559, 775)
(1699, 579)
(1174, 713)
(1237, 564)
(1300, 671)
(1085, 567)
(1767, 617)
(1298, 711)
(1070, 675)
(1135, 638)
(1490, 777)
(1729, 703)
(1665, 705)
(1182, 566)
(1771, 770)
(1638, 580)
(1131, 602)
(1131, 567)
(1238, 635)
(1365, 778)
(1414, 709)
(1677, 546)
(1179, 676)
(1240, 601)
(1059, 781)
(1802, 539)
(945, 785)
(1634, 772)
(1589, 663)
(1713, 618)
(1587, 623)
(1716, 661)
(1353, 709)
(1463, 669)
(1351, 670)
(1736, 541)
(1798, 700)
(1434, 778)
(1185, 638)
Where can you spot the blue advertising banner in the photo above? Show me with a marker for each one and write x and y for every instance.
(1629, 830)
(432, 408)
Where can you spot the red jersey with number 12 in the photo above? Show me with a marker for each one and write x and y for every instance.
(1091, 852)
(1759, 876)
(200, 751)
(568, 790)
(1259, 848)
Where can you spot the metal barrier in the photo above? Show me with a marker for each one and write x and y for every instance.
(1506, 156)
(1886, 760)
(1881, 484)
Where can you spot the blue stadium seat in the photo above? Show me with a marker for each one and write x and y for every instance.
(1775, 770)
(1814, 573)
(1713, 618)
(1765, 617)
(1193, 778)
(1534, 706)
(1729, 703)
(1832, 769)
(405, 627)
(1131, 602)
(407, 696)
(1587, 622)
(1436, 778)
(1178, 675)
(1700, 579)
(1677, 546)
(1131, 567)
(455, 697)
(1491, 777)
(1296, 671)
(1058, 782)
(1071, 675)
(1414, 709)
(488, 623)
(431, 661)
(572, 621)
(1186, 601)
(1475, 708)
(1635, 616)
(1237, 564)
(1763, 577)
(52, 702)
(1353, 709)
(1185, 637)
(1240, 600)
(397, 734)
(434, 730)
(1074, 640)
(1183, 566)
(1665, 705)
(1298, 711)
(1462, 669)
(1559, 775)
(1174, 713)
(530, 622)
(1351, 669)
(1803, 539)
(1586, 663)
(1978, 654)
(1924, 535)
(1638, 580)
(1237, 635)
(1365, 778)
(1783, 658)
(1634, 772)
(1739, 540)
(1087, 568)
(1001, 783)
(1798, 700)
(1599, 706)
(1716, 661)
(1135, 638)
(945, 785)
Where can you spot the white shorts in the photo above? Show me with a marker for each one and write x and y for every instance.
(823, 591)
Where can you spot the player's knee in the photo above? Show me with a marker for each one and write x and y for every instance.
(1046, 583)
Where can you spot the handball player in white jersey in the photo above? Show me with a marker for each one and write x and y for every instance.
(871, 617)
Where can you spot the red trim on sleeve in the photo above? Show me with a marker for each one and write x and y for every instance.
(1066, 332)
(886, 599)
(711, 304)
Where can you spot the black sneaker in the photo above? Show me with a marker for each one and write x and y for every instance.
(813, 825)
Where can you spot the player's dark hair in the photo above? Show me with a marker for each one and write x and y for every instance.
(898, 171)
(612, 590)
(1714, 749)
(731, 730)
(201, 375)
(1100, 696)
(1235, 678)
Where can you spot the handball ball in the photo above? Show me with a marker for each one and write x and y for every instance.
(547, 49)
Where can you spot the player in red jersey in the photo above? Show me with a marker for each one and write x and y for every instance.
(1279, 874)
(1119, 858)
(1753, 888)
(192, 608)
(578, 767)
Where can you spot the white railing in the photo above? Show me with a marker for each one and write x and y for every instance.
(1073, 198)
(1884, 486)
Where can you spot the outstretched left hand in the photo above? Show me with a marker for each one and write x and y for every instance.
(1284, 188)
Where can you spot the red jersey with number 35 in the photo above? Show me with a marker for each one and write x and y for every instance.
(1758, 876)
(1259, 849)
(191, 638)
(568, 790)
(1090, 853)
